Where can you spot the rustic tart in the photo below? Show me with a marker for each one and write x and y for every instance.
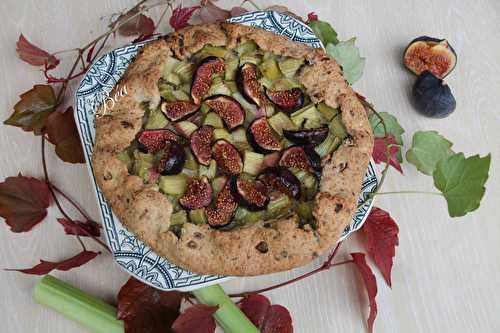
(232, 150)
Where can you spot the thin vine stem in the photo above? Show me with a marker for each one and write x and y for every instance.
(324, 267)
(58, 204)
(73, 203)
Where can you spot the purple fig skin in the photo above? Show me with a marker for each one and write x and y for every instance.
(173, 161)
(250, 194)
(282, 180)
(312, 136)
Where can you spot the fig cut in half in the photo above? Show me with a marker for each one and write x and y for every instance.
(247, 80)
(432, 97)
(249, 194)
(430, 54)
(178, 110)
(313, 136)
(200, 144)
(173, 159)
(202, 77)
(227, 157)
(198, 193)
(300, 157)
(224, 208)
(262, 137)
(229, 109)
(281, 179)
(152, 141)
(286, 100)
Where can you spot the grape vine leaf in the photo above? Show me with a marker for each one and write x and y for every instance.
(196, 319)
(386, 150)
(210, 13)
(370, 284)
(323, 30)
(381, 233)
(23, 202)
(462, 180)
(62, 132)
(180, 16)
(391, 124)
(90, 228)
(34, 55)
(347, 55)
(133, 24)
(45, 267)
(266, 317)
(428, 148)
(32, 111)
(145, 309)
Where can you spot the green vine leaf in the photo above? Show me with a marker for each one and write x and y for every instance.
(461, 180)
(427, 149)
(31, 112)
(324, 31)
(391, 124)
(347, 55)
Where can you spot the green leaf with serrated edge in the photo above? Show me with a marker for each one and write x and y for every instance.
(391, 124)
(428, 148)
(461, 180)
(347, 55)
(31, 112)
(324, 31)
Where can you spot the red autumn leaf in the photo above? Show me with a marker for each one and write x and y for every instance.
(311, 17)
(381, 233)
(45, 267)
(370, 285)
(34, 55)
(90, 228)
(180, 16)
(268, 318)
(145, 309)
(386, 150)
(138, 25)
(23, 202)
(210, 13)
(196, 319)
(33, 109)
(62, 132)
(236, 11)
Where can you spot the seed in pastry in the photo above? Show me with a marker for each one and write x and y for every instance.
(286, 100)
(200, 144)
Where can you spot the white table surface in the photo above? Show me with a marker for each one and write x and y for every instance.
(446, 276)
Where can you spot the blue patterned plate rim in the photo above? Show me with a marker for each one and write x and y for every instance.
(132, 255)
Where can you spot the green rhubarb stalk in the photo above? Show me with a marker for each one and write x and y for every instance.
(90, 312)
(229, 316)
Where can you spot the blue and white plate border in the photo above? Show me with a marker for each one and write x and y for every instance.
(131, 254)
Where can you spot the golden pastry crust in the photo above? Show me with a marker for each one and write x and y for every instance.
(260, 248)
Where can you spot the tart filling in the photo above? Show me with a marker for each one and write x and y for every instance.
(235, 139)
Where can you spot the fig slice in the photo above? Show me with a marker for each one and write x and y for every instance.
(286, 100)
(151, 141)
(224, 208)
(431, 54)
(227, 157)
(281, 179)
(198, 193)
(301, 158)
(247, 80)
(202, 77)
(178, 110)
(200, 144)
(313, 136)
(262, 137)
(228, 109)
(173, 159)
(250, 194)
